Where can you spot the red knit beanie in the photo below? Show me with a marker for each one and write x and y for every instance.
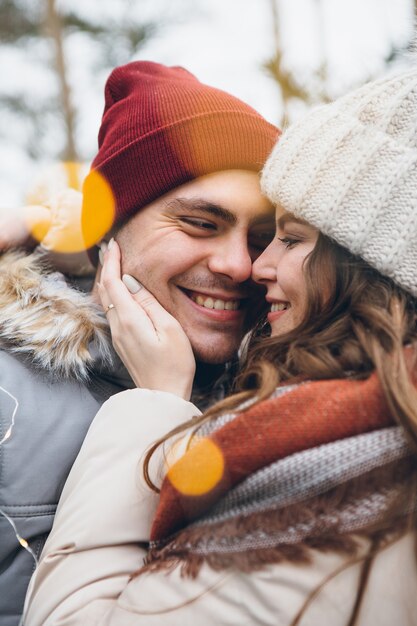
(162, 127)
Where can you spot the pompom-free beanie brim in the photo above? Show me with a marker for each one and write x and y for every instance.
(176, 153)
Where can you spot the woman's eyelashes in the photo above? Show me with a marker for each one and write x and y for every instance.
(288, 242)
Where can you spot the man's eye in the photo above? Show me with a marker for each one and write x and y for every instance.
(288, 242)
(198, 223)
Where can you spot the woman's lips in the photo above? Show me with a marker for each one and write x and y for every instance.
(278, 309)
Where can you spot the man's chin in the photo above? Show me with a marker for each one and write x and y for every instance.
(213, 356)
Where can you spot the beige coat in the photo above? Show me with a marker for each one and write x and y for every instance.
(106, 509)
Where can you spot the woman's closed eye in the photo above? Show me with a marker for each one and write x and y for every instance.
(289, 242)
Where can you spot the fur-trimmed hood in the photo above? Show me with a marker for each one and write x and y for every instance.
(47, 320)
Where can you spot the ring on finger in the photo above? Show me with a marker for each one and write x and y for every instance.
(111, 306)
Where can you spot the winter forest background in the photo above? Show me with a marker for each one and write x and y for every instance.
(280, 56)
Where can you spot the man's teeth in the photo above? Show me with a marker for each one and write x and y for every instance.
(220, 305)
(278, 306)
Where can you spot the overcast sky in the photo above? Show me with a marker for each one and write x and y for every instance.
(225, 42)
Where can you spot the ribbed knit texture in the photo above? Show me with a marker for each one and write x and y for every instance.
(309, 473)
(350, 169)
(162, 127)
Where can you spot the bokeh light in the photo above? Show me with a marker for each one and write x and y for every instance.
(98, 210)
(54, 178)
(62, 218)
(199, 470)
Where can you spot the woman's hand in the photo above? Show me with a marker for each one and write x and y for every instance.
(150, 342)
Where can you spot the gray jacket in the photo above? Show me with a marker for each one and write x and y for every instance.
(55, 372)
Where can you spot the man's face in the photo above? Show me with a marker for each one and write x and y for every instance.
(193, 249)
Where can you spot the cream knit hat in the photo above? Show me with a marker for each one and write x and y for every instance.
(350, 169)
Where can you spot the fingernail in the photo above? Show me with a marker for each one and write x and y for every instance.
(103, 246)
(131, 283)
(111, 242)
(100, 256)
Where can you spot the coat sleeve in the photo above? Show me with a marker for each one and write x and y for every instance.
(105, 510)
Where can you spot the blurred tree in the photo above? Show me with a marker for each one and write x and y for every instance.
(290, 87)
(315, 89)
(42, 30)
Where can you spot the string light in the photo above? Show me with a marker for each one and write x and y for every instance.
(22, 541)
(8, 433)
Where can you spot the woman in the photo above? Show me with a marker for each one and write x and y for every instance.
(294, 500)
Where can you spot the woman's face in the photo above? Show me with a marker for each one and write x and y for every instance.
(280, 270)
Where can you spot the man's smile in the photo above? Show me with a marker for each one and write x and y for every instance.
(216, 306)
(212, 301)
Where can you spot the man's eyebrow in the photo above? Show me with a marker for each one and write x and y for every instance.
(203, 206)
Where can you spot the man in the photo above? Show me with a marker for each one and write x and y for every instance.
(177, 171)
(188, 157)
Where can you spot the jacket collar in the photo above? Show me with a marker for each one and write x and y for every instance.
(49, 322)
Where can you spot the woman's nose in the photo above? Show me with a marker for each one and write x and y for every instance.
(264, 268)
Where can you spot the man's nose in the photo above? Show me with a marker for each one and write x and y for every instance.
(232, 259)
